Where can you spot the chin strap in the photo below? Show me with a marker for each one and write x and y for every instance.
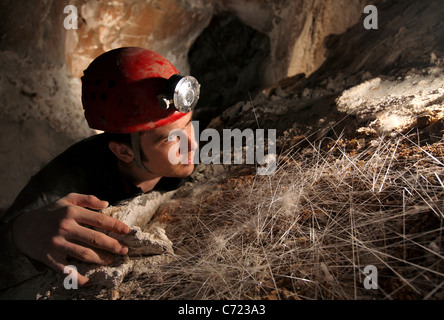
(135, 144)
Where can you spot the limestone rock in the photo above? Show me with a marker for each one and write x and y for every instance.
(110, 276)
(145, 243)
(137, 212)
(396, 104)
(143, 246)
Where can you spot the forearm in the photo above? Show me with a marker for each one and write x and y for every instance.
(15, 267)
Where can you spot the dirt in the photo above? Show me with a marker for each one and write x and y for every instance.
(359, 182)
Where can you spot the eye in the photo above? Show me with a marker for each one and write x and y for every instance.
(176, 135)
(173, 137)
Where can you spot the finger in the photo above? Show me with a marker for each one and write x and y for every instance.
(102, 221)
(61, 265)
(86, 201)
(97, 239)
(71, 271)
(89, 255)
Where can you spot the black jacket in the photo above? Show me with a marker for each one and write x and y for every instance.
(88, 167)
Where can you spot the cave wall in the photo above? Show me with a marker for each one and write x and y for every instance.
(296, 29)
(40, 114)
(41, 61)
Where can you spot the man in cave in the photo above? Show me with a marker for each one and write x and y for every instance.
(137, 98)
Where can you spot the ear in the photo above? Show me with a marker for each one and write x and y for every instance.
(121, 151)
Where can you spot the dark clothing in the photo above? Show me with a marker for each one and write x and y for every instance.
(88, 167)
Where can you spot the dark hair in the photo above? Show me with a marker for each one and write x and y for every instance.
(124, 138)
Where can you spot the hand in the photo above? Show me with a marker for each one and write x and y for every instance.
(58, 230)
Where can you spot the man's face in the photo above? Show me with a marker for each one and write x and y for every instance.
(156, 146)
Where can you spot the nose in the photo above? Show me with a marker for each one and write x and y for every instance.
(191, 138)
(188, 141)
(192, 143)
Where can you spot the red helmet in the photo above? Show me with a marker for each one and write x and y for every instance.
(130, 89)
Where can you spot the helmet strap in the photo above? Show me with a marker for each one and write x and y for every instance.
(135, 144)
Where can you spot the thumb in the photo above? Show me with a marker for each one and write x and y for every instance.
(71, 277)
(86, 201)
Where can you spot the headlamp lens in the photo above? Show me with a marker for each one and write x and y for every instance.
(186, 94)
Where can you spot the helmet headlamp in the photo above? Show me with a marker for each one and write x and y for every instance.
(181, 93)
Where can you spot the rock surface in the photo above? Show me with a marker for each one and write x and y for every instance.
(296, 29)
(143, 248)
(366, 126)
(142, 243)
(41, 61)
